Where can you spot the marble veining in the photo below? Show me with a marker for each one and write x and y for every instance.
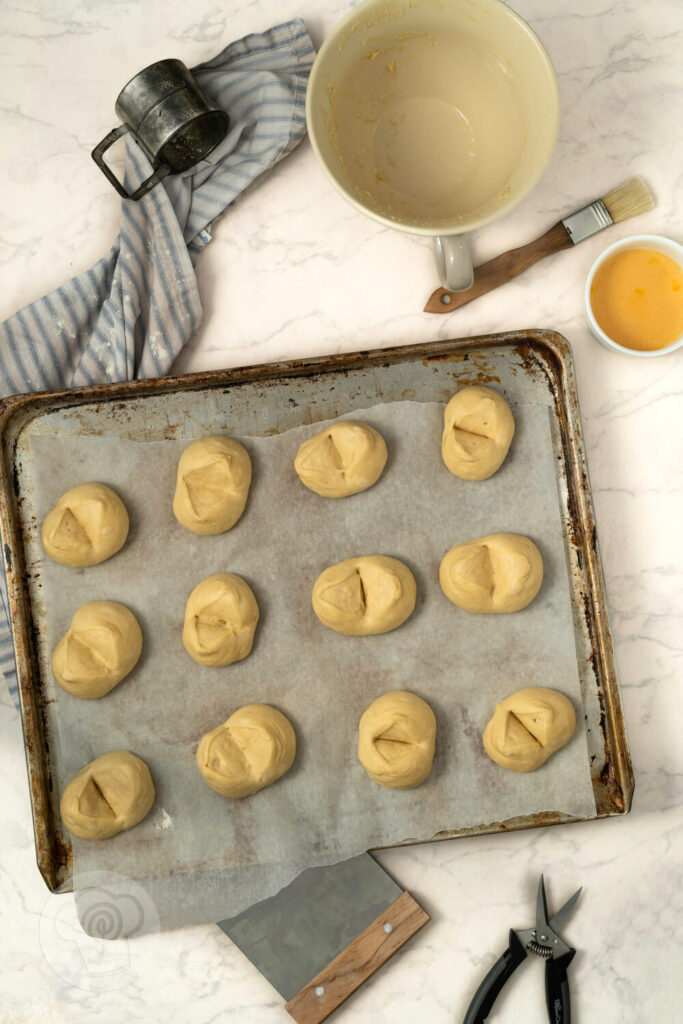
(293, 270)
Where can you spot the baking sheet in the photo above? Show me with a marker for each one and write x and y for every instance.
(232, 853)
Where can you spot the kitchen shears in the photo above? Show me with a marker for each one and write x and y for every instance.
(543, 941)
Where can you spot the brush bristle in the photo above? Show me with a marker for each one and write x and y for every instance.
(630, 199)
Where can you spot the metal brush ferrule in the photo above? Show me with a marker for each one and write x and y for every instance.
(588, 221)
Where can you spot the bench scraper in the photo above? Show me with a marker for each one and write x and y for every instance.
(323, 935)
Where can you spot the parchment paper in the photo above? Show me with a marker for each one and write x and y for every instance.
(203, 857)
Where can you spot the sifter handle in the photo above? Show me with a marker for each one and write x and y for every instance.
(98, 157)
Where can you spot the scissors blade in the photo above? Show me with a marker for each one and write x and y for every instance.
(558, 919)
(541, 908)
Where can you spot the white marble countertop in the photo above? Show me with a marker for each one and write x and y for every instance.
(293, 270)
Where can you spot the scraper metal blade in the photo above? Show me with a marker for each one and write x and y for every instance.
(324, 934)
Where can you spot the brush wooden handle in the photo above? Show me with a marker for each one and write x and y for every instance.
(501, 269)
(358, 961)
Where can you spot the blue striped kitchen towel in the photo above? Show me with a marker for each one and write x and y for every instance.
(130, 315)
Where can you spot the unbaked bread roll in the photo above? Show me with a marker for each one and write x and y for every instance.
(212, 484)
(527, 727)
(344, 458)
(87, 525)
(111, 794)
(220, 620)
(499, 573)
(364, 596)
(396, 737)
(100, 647)
(255, 747)
(478, 431)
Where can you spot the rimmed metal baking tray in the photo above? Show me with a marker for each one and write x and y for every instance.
(275, 397)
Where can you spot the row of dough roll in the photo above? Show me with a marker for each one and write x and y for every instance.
(90, 523)
(256, 746)
(362, 596)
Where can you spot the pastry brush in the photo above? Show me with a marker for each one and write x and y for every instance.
(630, 199)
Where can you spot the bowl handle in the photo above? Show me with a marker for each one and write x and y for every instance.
(454, 262)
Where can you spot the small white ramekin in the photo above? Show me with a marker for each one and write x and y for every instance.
(660, 244)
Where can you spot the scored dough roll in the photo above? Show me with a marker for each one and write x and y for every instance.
(252, 749)
(212, 484)
(344, 458)
(499, 573)
(396, 737)
(364, 596)
(220, 620)
(100, 648)
(477, 434)
(527, 727)
(111, 794)
(88, 524)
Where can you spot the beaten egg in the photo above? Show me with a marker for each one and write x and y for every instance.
(637, 299)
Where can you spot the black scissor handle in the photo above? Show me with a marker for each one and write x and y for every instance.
(490, 988)
(557, 989)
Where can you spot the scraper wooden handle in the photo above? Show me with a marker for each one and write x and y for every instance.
(358, 961)
(501, 269)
